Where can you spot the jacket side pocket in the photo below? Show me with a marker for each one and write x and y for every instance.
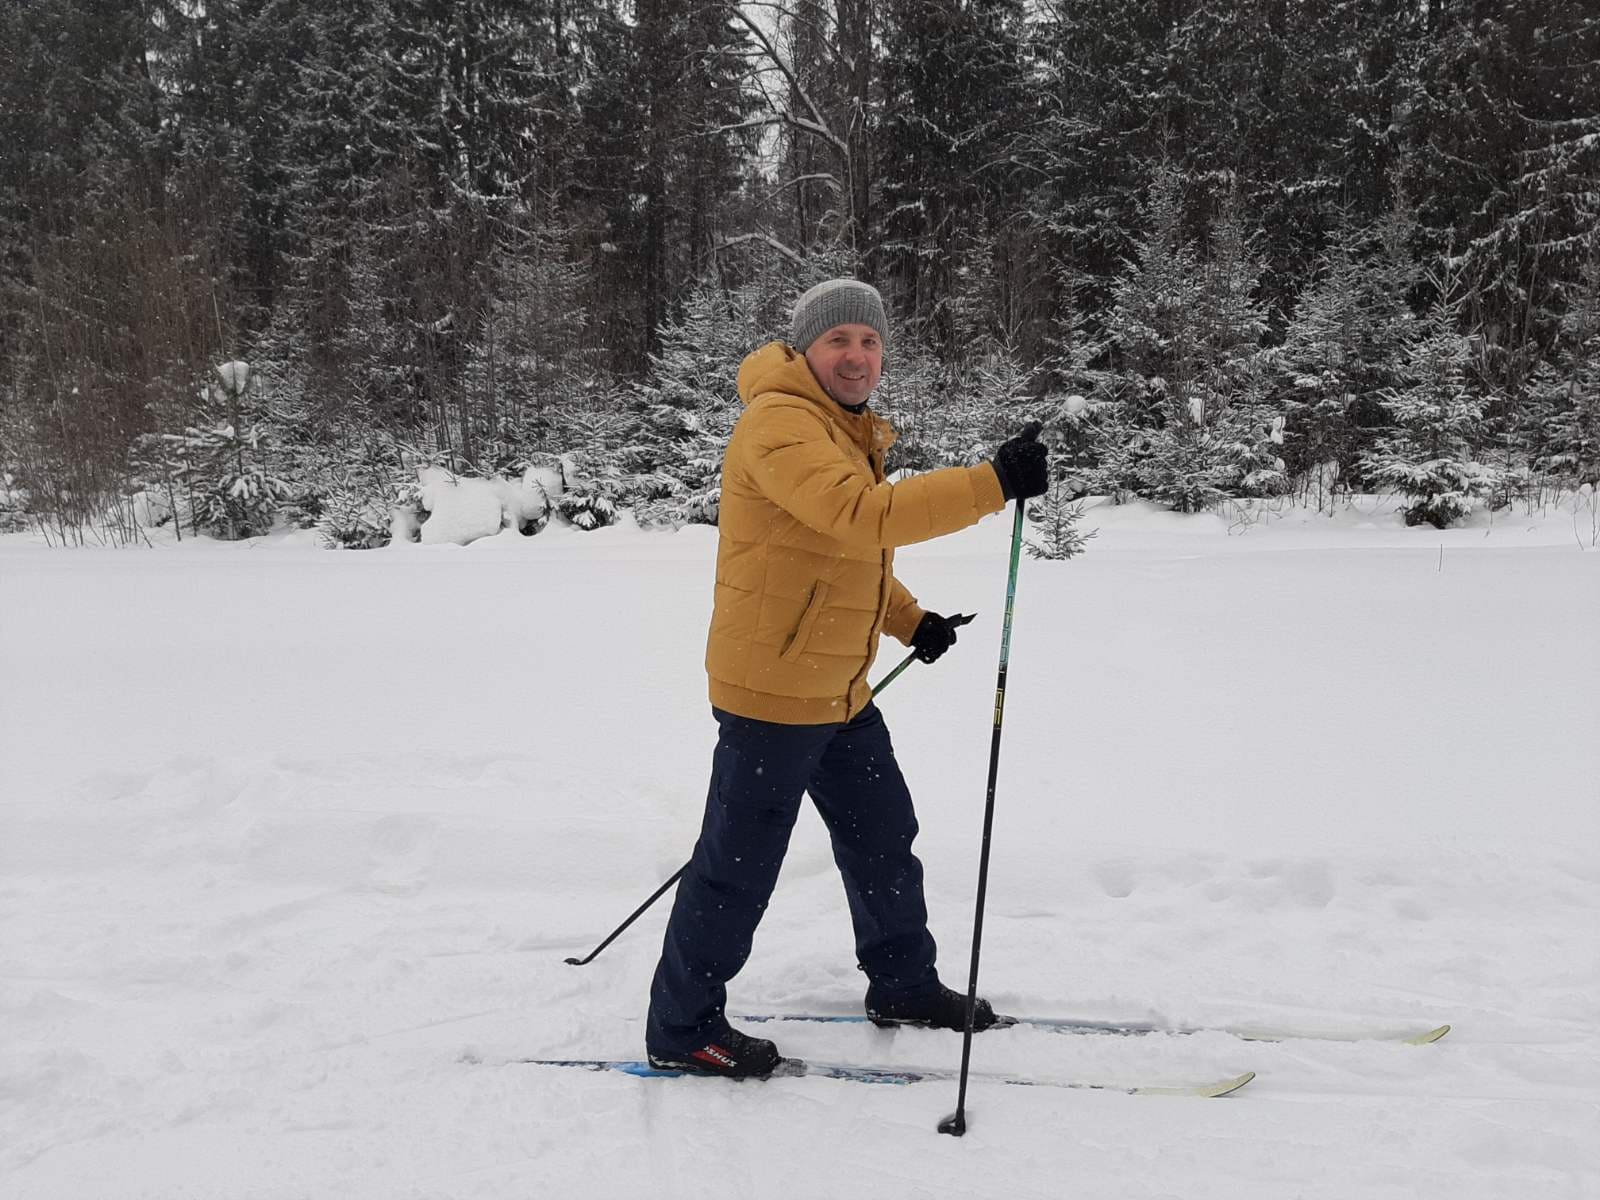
(808, 620)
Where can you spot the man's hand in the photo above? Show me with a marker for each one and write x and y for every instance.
(935, 635)
(1023, 466)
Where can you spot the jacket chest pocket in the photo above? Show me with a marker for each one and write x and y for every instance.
(808, 621)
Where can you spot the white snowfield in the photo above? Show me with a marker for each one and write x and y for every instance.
(293, 844)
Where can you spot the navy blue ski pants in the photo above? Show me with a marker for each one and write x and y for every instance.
(759, 772)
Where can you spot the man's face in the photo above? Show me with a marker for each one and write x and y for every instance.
(847, 361)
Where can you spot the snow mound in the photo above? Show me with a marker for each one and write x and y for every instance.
(464, 510)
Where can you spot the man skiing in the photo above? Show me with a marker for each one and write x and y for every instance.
(804, 585)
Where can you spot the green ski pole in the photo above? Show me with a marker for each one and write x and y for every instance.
(956, 1123)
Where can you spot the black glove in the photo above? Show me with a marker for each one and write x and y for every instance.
(1023, 466)
(935, 635)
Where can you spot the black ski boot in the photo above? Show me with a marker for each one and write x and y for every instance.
(730, 1054)
(938, 1009)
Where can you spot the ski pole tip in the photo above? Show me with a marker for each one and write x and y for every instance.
(955, 1124)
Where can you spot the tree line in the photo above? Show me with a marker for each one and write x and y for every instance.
(1227, 247)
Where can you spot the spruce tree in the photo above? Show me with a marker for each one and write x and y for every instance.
(1345, 346)
(1426, 452)
(1156, 444)
(1564, 440)
(689, 405)
(1320, 364)
(953, 95)
(1053, 521)
(1505, 131)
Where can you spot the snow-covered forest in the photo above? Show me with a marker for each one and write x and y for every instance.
(263, 260)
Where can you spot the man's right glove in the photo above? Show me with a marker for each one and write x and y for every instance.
(1023, 467)
(936, 634)
(933, 637)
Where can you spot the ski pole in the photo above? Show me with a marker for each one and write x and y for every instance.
(634, 916)
(956, 620)
(956, 1123)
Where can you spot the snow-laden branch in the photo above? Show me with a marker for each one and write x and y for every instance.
(766, 238)
(817, 124)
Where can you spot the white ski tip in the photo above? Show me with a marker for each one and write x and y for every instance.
(1224, 1088)
(1424, 1039)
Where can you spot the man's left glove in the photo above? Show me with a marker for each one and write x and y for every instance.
(935, 635)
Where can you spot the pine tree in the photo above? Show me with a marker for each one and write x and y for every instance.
(1506, 142)
(1054, 520)
(1156, 445)
(1320, 363)
(105, 288)
(1239, 411)
(1193, 423)
(953, 98)
(933, 420)
(1564, 440)
(1102, 68)
(1345, 347)
(605, 183)
(1426, 453)
(673, 113)
(824, 116)
(528, 358)
(689, 405)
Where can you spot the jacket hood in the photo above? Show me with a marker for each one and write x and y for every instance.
(779, 367)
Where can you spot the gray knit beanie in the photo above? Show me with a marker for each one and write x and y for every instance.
(836, 302)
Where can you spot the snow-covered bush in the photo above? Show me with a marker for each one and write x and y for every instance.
(462, 509)
(151, 509)
(13, 504)
(677, 468)
(524, 504)
(459, 510)
(592, 499)
(404, 525)
(351, 519)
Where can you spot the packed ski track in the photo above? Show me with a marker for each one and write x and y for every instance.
(293, 844)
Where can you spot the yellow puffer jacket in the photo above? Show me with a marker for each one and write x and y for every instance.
(805, 554)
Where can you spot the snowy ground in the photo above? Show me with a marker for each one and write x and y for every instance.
(293, 843)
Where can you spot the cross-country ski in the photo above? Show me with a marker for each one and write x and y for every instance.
(1077, 1025)
(792, 1068)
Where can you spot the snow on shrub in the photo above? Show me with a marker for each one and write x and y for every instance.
(462, 509)
(151, 509)
(592, 499)
(13, 504)
(351, 520)
(459, 510)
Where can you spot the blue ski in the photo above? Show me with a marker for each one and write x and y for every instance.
(794, 1067)
(1076, 1025)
